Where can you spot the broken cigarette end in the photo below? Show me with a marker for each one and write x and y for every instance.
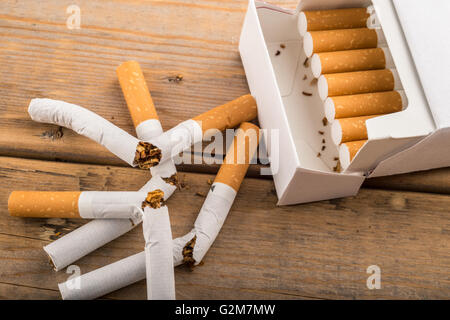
(154, 199)
(188, 253)
(147, 155)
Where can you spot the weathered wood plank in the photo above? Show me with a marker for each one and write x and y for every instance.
(318, 250)
(41, 57)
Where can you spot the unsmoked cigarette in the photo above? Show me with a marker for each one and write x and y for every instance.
(228, 115)
(39, 204)
(348, 151)
(348, 83)
(238, 157)
(349, 129)
(350, 60)
(342, 39)
(365, 104)
(332, 19)
(136, 93)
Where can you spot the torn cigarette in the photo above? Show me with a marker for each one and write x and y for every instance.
(348, 151)
(222, 193)
(347, 18)
(189, 132)
(96, 233)
(351, 60)
(209, 222)
(86, 123)
(104, 280)
(116, 275)
(158, 254)
(86, 204)
(342, 39)
(139, 101)
(349, 83)
(349, 129)
(365, 104)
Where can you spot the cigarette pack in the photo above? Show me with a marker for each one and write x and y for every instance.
(279, 75)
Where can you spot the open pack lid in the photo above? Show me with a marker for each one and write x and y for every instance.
(426, 26)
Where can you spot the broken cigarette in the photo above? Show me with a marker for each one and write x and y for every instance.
(351, 60)
(342, 39)
(158, 254)
(86, 204)
(158, 150)
(222, 193)
(190, 248)
(365, 104)
(347, 18)
(349, 129)
(96, 233)
(86, 123)
(348, 151)
(349, 83)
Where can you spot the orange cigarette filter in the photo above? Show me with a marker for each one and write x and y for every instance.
(354, 146)
(348, 83)
(228, 115)
(351, 60)
(352, 129)
(365, 104)
(40, 204)
(343, 39)
(336, 19)
(136, 93)
(239, 155)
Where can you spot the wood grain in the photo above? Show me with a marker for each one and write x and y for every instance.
(318, 250)
(312, 251)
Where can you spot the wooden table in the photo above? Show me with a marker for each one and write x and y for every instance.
(311, 251)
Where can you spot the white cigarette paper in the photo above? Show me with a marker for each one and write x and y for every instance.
(115, 276)
(86, 123)
(93, 235)
(158, 254)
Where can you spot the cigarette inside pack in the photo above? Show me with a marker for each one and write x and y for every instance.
(356, 77)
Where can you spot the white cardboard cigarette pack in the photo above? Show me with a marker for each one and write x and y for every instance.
(416, 138)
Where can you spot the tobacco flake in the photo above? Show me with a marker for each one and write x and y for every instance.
(147, 155)
(154, 199)
(282, 46)
(323, 148)
(172, 180)
(188, 252)
(278, 53)
(177, 79)
(324, 121)
(200, 194)
(318, 155)
(306, 93)
(305, 77)
(306, 62)
(337, 168)
(313, 81)
(321, 132)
